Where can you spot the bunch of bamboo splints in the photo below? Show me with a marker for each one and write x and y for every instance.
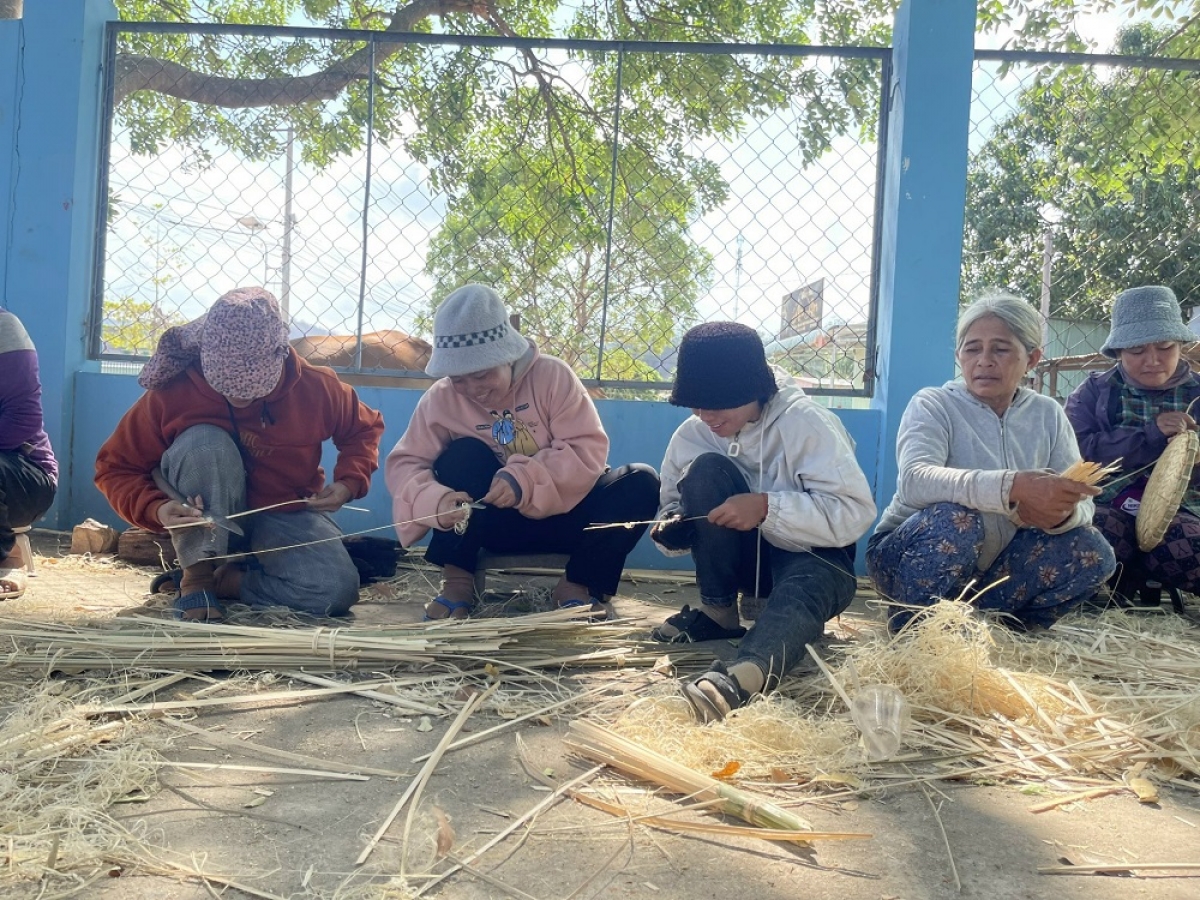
(1091, 473)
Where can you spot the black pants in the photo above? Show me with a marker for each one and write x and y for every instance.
(26, 492)
(627, 494)
(803, 589)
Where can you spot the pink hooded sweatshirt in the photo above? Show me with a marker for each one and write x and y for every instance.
(546, 433)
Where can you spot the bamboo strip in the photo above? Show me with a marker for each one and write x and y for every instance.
(1092, 794)
(220, 740)
(487, 733)
(175, 870)
(530, 814)
(666, 823)
(363, 691)
(1118, 869)
(419, 780)
(157, 685)
(262, 699)
(602, 745)
(423, 776)
(233, 767)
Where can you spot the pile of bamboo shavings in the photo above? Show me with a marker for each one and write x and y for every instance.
(60, 773)
(1141, 671)
(945, 661)
(771, 739)
(1032, 709)
(1092, 698)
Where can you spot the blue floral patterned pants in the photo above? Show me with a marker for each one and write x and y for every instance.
(932, 556)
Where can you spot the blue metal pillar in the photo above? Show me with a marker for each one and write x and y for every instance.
(923, 201)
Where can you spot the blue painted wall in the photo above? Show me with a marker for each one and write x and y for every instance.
(639, 432)
(10, 43)
(48, 229)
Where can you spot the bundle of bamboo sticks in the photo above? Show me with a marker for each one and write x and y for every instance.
(540, 640)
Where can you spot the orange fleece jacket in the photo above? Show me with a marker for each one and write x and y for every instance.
(282, 435)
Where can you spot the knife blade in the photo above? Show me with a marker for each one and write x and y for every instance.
(169, 489)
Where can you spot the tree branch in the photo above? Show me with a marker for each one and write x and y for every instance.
(145, 73)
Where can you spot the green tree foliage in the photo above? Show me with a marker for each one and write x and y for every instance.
(540, 233)
(520, 143)
(133, 327)
(430, 100)
(1107, 163)
(701, 96)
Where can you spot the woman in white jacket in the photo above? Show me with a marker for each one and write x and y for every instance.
(762, 486)
(979, 495)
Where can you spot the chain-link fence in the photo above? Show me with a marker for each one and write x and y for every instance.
(1084, 180)
(613, 193)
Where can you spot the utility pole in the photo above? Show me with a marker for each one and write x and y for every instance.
(1047, 258)
(737, 276)
(289, 222)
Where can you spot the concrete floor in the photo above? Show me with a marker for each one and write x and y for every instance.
(295, 836)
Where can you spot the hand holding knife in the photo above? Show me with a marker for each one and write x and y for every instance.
(206, 518)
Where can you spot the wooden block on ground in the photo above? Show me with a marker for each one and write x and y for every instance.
(90, 536)
(144, 548)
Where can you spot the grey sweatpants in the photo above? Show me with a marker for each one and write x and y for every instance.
(317, 578)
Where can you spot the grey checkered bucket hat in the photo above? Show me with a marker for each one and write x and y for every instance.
(471, 332)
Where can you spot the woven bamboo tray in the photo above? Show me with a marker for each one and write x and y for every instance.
(1165, 489)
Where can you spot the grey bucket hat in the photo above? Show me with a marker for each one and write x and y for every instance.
(471, 332)
(1145, 315)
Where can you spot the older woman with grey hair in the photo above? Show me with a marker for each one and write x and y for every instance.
(978, 494)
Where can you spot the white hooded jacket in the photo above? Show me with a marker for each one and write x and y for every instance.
(800, 456)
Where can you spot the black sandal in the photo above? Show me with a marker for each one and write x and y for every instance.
(694, 625)
(715, 694)
(166, 582)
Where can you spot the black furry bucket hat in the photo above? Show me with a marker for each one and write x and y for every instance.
(722, 365)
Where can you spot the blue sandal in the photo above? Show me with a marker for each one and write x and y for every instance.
(205, 600)
(451, 607)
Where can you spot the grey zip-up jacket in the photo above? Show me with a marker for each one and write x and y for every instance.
(800, 456)
(952, 448)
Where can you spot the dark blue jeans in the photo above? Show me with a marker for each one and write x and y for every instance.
(626, 494)
(803, 589)
(26, 492)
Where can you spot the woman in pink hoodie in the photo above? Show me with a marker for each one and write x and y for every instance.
(516, 434)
